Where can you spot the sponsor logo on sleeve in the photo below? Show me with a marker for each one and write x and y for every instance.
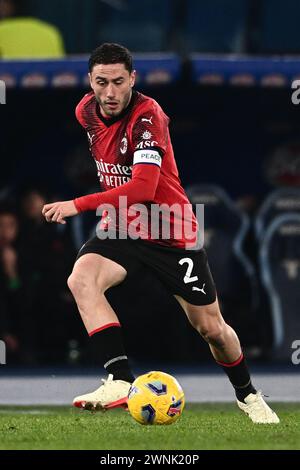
(146, 143)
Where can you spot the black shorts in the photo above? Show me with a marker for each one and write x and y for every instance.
(183, 272)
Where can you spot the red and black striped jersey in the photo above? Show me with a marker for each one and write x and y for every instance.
(134, 158)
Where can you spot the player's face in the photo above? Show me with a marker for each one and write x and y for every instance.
(112, 85)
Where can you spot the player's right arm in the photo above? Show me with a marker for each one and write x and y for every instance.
(141, 188)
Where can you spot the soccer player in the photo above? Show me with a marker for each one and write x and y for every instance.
(130, 143)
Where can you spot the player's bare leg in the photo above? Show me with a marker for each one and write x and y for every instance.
(226, 350)
(208, 321)
(91, 277)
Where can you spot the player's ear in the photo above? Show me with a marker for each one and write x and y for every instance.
(132, 78)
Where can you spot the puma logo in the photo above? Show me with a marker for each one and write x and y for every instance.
(91, 137)
(147, 120)
(200, 290)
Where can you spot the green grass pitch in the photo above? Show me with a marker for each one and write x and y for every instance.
(202, 426)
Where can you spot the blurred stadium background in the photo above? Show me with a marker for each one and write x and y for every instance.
(223, 72)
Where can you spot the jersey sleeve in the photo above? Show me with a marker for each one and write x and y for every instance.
(79, 116)
(140, 189)
(80, 109)
(150, 137)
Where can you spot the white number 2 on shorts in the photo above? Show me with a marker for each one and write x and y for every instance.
(188, 275)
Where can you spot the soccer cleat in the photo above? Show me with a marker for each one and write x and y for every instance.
(112, 394)
(257, 409)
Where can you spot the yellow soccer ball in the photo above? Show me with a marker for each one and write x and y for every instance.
(156, 398)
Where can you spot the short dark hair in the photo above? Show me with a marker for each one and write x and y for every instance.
(111, 53)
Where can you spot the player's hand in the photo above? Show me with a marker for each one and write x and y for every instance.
(58, 211)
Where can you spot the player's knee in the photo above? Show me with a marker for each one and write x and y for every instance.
(74, 284)
(79, 285)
